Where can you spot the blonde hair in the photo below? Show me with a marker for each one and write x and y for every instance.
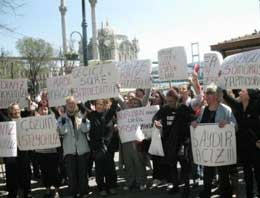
(212, 88)
(70, 98)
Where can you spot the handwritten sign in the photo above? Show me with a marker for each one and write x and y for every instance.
(95, 82)
(135, 74)
(13, 91)
(58, 89)
(8, 142)
(241, 71)
(172, 64)
(134, 121)
(38, 132)
(213, 146)
(212, 62)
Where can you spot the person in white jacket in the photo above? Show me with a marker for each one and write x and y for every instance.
(73, 131)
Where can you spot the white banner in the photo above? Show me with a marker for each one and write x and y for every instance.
(172, 64)
(213, 146)
(59, 88)
(37, 132)
(133, 123)
(135, 74)
(95, 82)
(8, 142)
(212, 62)
(13, 91)
(241, 71)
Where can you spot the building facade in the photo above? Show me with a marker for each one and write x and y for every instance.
(113, 46)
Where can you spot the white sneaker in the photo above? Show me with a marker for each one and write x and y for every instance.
(156, 182)
(142, 187)
(126, 188)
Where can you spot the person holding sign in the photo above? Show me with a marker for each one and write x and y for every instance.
(133, 151)
(73, 130)
(100, 137)
(247, 110)
(215, 112)
(48, 161)
(18, 172)
(164, 119)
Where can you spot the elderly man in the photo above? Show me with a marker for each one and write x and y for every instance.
(216, 112)
(73, 130)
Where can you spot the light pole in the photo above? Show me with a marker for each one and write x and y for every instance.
(81, 41)
(84, 35)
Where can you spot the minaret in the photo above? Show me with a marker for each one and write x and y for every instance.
(63, 10)
(94, 29)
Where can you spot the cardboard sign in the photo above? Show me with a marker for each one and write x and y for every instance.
(172, 64)
(13, 91)
(58, 89)
(213, 146)
(95, 82)
(212, 62)
(135, 122)
(8, 142)
(241, 71)
(37, 132)
(135, 74)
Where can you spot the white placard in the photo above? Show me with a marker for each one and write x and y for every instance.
(213, 146)
(132, 122)
(95, 82)
(212, 62)
(241, 71)
(8, 141)
(172, 64)
(37, 132)
(13, 90)
(135, 74)
(59, 88)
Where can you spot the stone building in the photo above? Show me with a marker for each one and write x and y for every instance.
(113, 46)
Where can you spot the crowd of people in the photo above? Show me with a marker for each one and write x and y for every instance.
(88, 133)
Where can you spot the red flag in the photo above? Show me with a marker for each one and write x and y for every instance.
(196, 68)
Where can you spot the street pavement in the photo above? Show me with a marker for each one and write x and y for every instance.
(159, 192)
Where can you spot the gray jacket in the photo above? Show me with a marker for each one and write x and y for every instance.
(74, 141)
(223, 113)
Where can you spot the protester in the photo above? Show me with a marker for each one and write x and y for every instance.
(164, 120)
(247, 113)
(157, 98)
(73, 130)
(100, 136)
(49, 162)
(18, 172)
(215, 112)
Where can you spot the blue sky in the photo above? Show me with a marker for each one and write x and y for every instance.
(155, 23)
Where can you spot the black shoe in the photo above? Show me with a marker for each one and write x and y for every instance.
(186, 192)
(174, 190)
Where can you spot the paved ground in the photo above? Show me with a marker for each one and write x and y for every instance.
(160, 192)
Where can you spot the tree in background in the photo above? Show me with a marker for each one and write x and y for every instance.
(37, 52)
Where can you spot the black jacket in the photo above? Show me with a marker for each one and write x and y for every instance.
(248, 121)
(101, 128)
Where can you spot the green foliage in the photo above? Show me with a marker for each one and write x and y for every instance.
(71, 56)
(37, 53)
